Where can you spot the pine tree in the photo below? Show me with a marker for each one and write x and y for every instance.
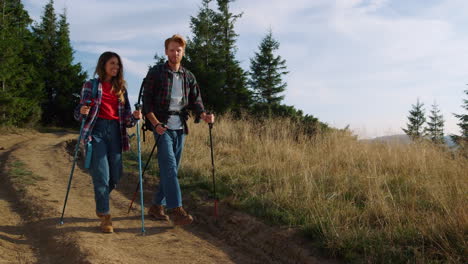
(211, 57)
(159, 59)
(20, 94)
(46, 37)
(435, 127)
(462, 139)
(201, 57)
(70, 76)
(266, 71)
(60, 76)
(416, 119)
(235, 87)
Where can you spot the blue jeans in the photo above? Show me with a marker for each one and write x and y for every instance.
(106, 161)
(170, 146)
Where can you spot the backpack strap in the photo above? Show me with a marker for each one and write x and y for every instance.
(145, 126)
(95, 87)
(89, 146)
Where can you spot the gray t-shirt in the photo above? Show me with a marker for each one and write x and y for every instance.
(174, 121)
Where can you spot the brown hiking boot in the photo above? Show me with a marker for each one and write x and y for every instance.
(106, 223)
(157, 212)
(180, 217)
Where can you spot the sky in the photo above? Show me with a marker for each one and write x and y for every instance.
(361, 63)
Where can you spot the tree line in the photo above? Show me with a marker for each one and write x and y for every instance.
(420, 128)
(38, 76)
(37, 73)
(211, 56)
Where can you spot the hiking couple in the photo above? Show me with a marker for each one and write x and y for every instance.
(170, 91)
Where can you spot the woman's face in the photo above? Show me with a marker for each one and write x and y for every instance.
(112, 67)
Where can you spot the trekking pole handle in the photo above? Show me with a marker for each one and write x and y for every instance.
(160, 124)
(138, 106)
(87, 103)
(209, 124)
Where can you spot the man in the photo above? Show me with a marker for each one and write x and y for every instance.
(170, 91)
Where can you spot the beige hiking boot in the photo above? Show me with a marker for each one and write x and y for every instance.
(106, 223)
(157, 212)
(180, 217)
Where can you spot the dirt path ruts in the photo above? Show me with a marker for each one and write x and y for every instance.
(30, 233)
(45, 155)
(15, 247)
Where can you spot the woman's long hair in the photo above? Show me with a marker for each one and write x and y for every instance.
(118, 82)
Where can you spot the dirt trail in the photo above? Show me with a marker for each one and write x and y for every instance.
(29, 230)
(15, 247)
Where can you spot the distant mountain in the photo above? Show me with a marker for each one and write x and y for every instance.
(403, 138)
(400, 138)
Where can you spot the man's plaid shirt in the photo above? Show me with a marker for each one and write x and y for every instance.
(126, 118)
(158, 88)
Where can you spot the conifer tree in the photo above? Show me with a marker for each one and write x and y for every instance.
(201, 57)
(266, 71)
(60, 76)
(46, 37)
(416, 119)
(462, 139)
(211, 57)
(20, 94)
(435, 125)
(159, 59)
(70, 76)
(235, 87)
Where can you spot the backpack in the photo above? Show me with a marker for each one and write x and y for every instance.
(146, 122)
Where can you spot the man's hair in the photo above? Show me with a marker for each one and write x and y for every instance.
(176, 38)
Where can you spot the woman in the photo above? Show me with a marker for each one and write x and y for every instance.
(105, 131)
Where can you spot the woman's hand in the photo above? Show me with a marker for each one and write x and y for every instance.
(84, 110)
(137, 114)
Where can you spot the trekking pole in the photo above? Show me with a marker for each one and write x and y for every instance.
(210, 126)
(138, 107)
(143, 174)
(77, 147)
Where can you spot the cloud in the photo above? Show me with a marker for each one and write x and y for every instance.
(100, 48)
(136, 68)
(105, 20)
(259, 15)
(357, 62)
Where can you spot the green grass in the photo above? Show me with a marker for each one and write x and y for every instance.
(21, 176)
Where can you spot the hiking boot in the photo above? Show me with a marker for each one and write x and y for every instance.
(106, 223)
(180, 217)
(157, 212)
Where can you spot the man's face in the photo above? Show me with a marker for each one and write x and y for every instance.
(174, 52)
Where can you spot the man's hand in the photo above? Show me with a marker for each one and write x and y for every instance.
(160, 128)
(208, 118)
(137, 115)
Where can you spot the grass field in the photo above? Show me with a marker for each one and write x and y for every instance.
(362, 202)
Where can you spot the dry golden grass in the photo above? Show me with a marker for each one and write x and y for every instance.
(364, 202)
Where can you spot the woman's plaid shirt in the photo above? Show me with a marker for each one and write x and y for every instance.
(126, 118)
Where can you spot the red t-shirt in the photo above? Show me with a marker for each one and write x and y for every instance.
(109, 103)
